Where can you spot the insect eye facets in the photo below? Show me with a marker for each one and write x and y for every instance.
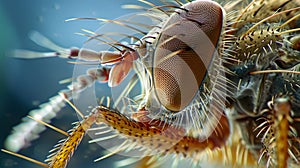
(187, 77)
(184, 51)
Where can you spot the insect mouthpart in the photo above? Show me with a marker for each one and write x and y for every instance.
(188, 84)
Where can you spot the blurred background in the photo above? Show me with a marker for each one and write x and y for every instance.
(27, 83)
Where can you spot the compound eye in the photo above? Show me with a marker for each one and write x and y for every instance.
(184, 52)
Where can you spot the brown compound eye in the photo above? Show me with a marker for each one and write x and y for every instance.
(184, 52)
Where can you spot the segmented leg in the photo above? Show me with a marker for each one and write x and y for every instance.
(282, 109)
(253, 47)
(65, 150)
(159, 137)
(277, 133)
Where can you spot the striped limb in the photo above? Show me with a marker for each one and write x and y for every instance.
(29, 130)
(152, 135)
(278, 134)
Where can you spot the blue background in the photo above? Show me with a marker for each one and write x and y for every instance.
(27, 83)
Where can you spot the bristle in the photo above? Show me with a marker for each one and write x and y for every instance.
(73, 106)
(256, 58)
(26, 158)
(277, 133)
(103, 138)
(46, 112)
(150, 135)
(262, 21)
(289, 21)
(133, 6)
(110, 21)
(120, 148)
(64, 150)
(50, 126)
(126, 162)
(153, 6)
(273, 71)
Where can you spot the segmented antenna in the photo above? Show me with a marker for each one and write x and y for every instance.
(29, 130)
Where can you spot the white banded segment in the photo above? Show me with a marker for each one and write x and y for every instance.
(29, 130)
